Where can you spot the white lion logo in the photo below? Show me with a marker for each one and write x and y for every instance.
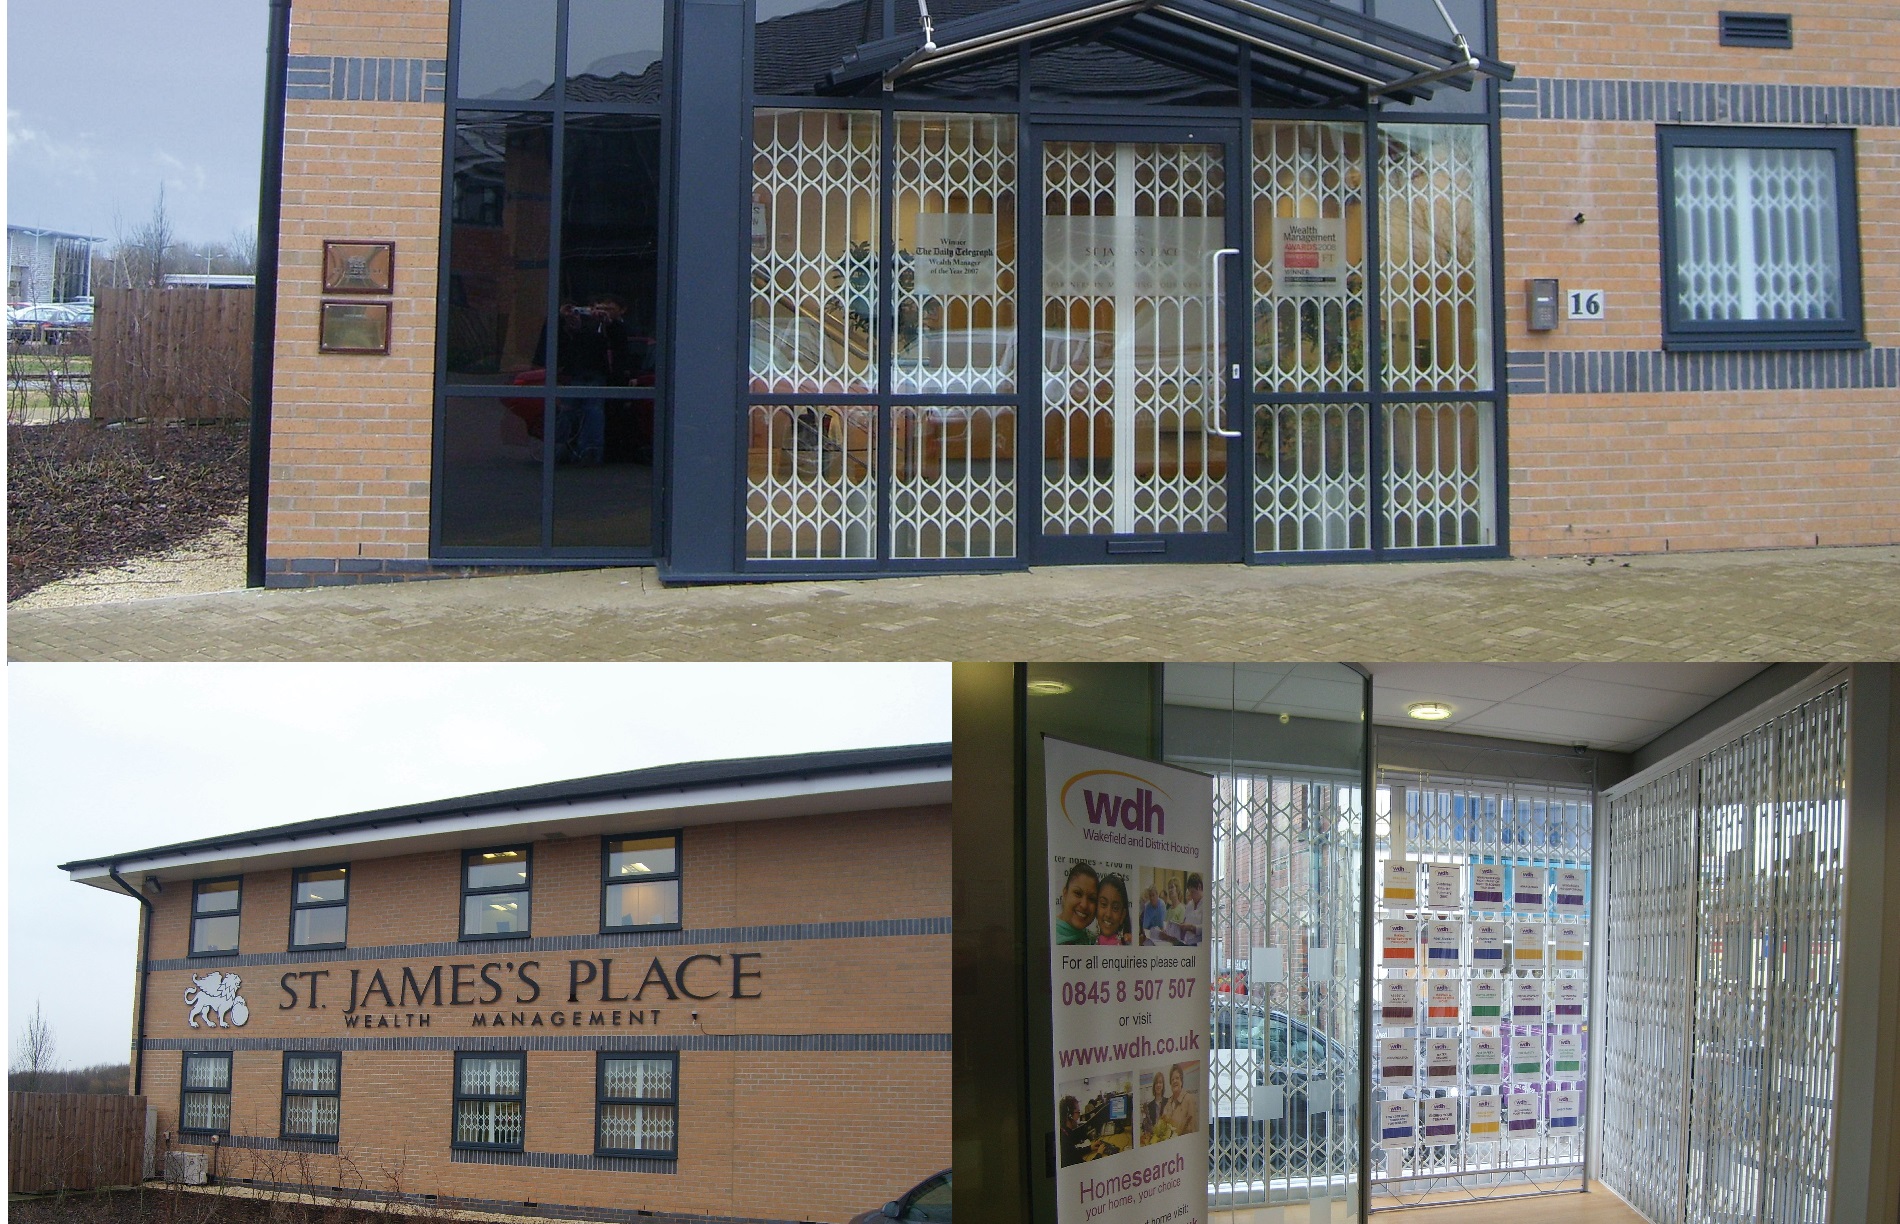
(216, 994)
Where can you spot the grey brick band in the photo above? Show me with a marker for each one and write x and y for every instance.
(1651, 372)
(731, 1043)
(556, 1211)
(351, 78)
(785, 932)
(1613, 101)
(265, 1143)
(564, 1160)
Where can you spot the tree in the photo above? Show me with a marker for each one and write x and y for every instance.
(38, 1050)
(144, 254)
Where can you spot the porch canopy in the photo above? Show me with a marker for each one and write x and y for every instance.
(1306, 53)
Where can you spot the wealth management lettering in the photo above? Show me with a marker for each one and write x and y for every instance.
(525, 993)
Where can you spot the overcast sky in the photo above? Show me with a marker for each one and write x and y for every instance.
(107, 99)
(105, 758)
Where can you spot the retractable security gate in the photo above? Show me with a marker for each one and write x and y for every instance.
(1722, 981)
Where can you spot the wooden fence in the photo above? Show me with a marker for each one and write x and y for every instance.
(172, 354)
(73, 1141)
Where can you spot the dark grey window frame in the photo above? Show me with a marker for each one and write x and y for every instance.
(1684, 335)
(184, 1091)
(458, 1096)
(191, 930)
(607, 881)
(526, 885)
(297, 906)
(289, 1093)
(601, 1059)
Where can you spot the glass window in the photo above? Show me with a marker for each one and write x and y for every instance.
(506, 49)
(490, 1105)
(214, 916)
(930, 1201)
(614, 49)
(638, 1106)
(312, 1095)
(1097, 73)
(498, 245)
(1759, 237)
(320, 907)
(1435, 202)
(641, 882)
(796, 43)
(205, 1102)
(495, 890)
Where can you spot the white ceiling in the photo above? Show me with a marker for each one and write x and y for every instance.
(1616, 707)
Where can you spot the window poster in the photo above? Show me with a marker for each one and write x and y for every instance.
(1399, 942)
(1521, 1115)
(1441, 1003)
(1487, 944)
(1441, 1119)
(1487, 884)
(1570, 889)
(1527, 945)
(1441, 943)
(1441, 1058)
(1398, 1058)
(1527, 1055)
(1565, 1107)
(1482, 1120)
(1487, 1060)
(1567, 998)
(1129, 1004)
(1398, 1001)
(1527, 999)
(1570, 937)
(956, 254)
(1566, 1054)
(1309, 257)
(1396, 1119)
(1487, 999)
(1401, 884)
(1446, 888)
(1527, 890)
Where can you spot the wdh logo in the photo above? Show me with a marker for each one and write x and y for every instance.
(1116, 808)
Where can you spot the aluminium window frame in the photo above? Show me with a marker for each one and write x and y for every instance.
(191, 919)
(676, 875)
(601, 1059)
(526, 885)
(1681, 335)
(296, 906)
(289, 1093)
(184, 1091)
(457, 1096)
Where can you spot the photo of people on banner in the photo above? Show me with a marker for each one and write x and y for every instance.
(1170, 1102)
(1093, 906)
(1096, 1117)
(1171, 908)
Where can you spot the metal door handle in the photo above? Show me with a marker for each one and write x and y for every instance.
(1216, 290)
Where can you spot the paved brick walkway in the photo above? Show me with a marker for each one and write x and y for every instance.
(1833, 604)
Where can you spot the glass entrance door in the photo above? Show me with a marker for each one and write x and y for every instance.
(1138, 271)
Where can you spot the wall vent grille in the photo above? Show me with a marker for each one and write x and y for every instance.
(1757, 30)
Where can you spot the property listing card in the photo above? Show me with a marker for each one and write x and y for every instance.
(1487, 945)
(1487, 1000)
(1441, 1058)
(1129, 991)
(1401, 884)
(1441, 943)
(1566, 1054)
(1527, 890)
(1441, 1001)
(1527, 999)
(1398, 1001)
(1481, 1122)
(1527, 945)
(1447, 890)
(1487, 885)
(1570, 937)
(1440, 1124)
(1527, 1055)
(1396, 1120)
(1487, 1060)
(1572, 891)
(1521, 1114)
(1566, 1106)
(1398, 942)
(1566, 998)
(1398, 1058)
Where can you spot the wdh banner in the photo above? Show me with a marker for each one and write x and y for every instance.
(1130, 843)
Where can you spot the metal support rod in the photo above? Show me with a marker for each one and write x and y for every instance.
(270, 198)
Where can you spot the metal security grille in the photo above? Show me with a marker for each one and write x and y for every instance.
(953, 481)
(1481, 1035)
(1755, 1014)
(1309, 340)
(1310, 490)
(811, 490)
(1756, 234)
(1128, 378)
(1435, 214)
(1284, 921)
(1438, 475)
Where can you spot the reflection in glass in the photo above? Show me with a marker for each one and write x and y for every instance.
(642, 856)
(954, 208)
(507, 49)
(1434, 184)
(814, 252)
(1423, 17)
(498, 247)
(1098, 72)
(953, 481)
(311, 927)
(214, 934)
(1309, 207)
(326, 884)
(797, 42)
(498, 868)
(495, 914)
(614, 49)
(490, 492)
(811, 487)
(216, 897)
(610, 224)
(643, 905)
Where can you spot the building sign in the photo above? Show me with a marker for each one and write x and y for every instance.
(214, 998)
(1309, 257)
(955, 254)
(1128, 984)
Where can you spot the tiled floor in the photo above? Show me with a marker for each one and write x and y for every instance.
(1833, 604)
(1598, 1207)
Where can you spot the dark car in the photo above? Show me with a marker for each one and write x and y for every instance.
(929, 1199)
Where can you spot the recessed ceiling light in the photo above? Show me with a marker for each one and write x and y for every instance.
(1049, 688)
(1429, 711)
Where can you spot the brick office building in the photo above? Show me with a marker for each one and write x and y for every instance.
(798, 324)
(718, 990)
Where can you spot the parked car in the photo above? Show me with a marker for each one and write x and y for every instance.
(1252, 1048)
(929, 1199)
(45, 323)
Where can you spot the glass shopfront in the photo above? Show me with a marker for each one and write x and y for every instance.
(1249, 316)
